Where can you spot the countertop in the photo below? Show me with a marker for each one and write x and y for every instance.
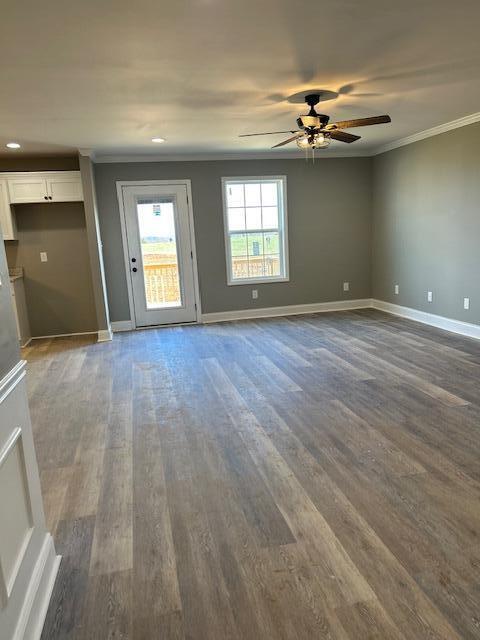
(15, 274)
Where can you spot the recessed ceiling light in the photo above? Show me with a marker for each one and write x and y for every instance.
(13, 145)
(159, 140)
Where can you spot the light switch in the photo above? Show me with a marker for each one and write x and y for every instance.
(346, 286)
(429, 296)
(397, 289)
(43, 256)
(466, 304)
(254, 294)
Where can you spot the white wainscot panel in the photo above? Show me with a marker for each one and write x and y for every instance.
(16, 512)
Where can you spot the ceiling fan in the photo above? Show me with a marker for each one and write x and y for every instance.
(314, 130)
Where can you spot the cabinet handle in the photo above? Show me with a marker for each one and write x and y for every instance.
(45, 197)
(50, 197)
(134, 269)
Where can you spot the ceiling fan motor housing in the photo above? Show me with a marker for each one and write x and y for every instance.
(317, 121)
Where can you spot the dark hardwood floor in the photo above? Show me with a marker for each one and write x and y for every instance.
(293, 478)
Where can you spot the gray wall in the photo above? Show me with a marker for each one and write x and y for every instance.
(59, 292)
(329, 218)
(9, 351)
(426, 231)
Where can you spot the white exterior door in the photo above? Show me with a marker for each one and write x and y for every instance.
(159, 253)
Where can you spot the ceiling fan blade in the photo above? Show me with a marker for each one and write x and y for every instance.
(280, 144)
(361, 122)
(267, 133)
(343, 136)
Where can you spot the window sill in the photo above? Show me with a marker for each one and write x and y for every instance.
(245, 281)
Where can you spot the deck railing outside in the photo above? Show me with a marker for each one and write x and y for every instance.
(162, 282)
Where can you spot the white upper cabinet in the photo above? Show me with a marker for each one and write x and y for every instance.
(7, 218)
(31, 188)
(54, 186)
(65, 188)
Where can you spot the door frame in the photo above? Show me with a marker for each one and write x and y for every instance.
(145, 183)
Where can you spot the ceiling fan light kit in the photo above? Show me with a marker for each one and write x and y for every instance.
(316, 132)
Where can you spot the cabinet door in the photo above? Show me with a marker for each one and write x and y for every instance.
(64, 189)
(28, 189)
(7, 217)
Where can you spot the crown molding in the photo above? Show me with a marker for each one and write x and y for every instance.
(204, 157)
(428, 133)
(88, 153)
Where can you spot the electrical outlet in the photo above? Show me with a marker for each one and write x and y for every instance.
(254, 294)
(43, 256)
(397, 289)
(346, 286)
(429, 296)
(466, 304)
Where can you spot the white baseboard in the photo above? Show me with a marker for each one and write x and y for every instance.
(38, 595)
(455, 326)
(65, 335)
(122, 325)
(288, 310)
(105, 335)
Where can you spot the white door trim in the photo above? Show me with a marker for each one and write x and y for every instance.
(145, 183)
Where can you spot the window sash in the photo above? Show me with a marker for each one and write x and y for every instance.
(281, 230)
(247, 231)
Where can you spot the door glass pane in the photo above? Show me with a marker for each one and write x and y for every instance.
(156, 222)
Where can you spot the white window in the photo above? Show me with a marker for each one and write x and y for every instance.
(255, 219)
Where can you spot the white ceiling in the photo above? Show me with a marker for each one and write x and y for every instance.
(110, 75)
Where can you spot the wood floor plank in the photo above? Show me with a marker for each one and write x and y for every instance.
(112, 542)
(156, 596)
(304, 520)
(289, 478)
(84, 485)
(414, 613)
(55, 484)
(108, 608)
(66, 611)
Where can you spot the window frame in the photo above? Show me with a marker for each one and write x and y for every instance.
(282, 230)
